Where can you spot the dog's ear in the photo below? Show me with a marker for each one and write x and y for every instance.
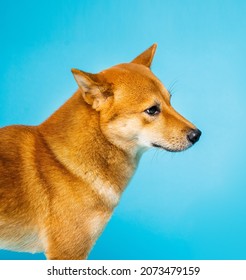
(94, 91)
(146, 57)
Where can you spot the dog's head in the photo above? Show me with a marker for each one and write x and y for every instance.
(134, 107)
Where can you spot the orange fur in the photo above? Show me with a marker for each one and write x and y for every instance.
(61, 180)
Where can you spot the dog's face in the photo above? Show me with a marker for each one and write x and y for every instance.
(135, 109)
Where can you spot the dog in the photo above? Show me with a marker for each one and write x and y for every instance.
(61, 180)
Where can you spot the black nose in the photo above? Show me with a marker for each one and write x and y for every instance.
(194, 135)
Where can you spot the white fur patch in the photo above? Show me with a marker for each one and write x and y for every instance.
(96, 224)
(105, 189)
(23, 242)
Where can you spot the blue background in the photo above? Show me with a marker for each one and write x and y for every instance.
(189, 205)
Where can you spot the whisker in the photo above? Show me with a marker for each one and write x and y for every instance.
(171, 89)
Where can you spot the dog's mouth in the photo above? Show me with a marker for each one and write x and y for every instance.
(164, 148)
(155, 145)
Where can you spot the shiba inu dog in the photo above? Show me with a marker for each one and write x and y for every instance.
(61, 180)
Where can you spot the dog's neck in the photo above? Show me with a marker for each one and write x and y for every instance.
(74, 131)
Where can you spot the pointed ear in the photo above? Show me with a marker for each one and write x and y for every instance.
(146, 57)
(94, 92)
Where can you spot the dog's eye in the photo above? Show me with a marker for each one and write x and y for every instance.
(152, 111)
